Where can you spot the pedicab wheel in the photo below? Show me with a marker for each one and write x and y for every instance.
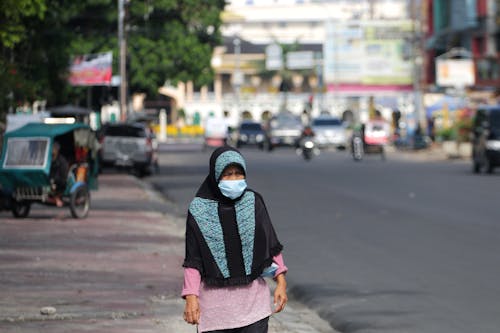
(21, 209)
(79, 203)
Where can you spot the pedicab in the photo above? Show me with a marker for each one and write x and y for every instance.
(25, 167)
(370, 138)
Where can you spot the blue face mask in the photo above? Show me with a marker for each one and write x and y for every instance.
(232, 188)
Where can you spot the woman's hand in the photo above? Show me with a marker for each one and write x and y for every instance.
(192, 310)
(280, 297)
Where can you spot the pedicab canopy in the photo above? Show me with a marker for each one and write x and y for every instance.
(26, 152)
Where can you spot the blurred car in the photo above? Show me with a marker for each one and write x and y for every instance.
(330, 132)
(216, 132)
(128, 145)
(250, 133)
(486, 139)
(284, 129)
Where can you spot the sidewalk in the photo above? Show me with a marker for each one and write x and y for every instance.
(434, 153)
(119, 270)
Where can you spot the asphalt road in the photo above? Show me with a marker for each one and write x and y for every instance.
(394, 246)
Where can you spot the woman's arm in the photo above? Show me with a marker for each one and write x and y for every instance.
(190, 292)
(192, 276)
(192, 280)
(280, 296)
(278, 260)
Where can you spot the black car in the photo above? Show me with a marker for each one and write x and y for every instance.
(250, 133)
(486, 139)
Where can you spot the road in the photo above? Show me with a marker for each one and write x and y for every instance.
(394, 246)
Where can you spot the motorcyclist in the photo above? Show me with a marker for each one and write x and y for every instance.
(307, 132)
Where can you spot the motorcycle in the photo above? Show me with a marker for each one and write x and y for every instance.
(307, 148)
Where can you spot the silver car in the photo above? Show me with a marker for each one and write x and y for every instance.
(128, 146)
(329, 132)
(284, 129)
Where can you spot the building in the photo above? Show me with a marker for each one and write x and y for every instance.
(471, 26)
(339, 75)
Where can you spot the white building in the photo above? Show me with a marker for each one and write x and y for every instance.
(244, 88)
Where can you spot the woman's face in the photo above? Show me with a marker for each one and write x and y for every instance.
(232, 172)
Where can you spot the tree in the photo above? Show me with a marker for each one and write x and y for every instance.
(172, 40)
(13, 14)
(168, 40)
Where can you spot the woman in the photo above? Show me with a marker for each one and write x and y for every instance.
(230, 242)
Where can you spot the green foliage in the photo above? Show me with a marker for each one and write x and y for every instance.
(172, 41)
(167, 40)
(36, 66)
(12, 15)
(446, 134)
(463, 125)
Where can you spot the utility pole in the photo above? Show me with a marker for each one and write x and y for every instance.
(416, 48)
(122, 45)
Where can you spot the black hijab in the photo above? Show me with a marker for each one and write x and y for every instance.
(229, 241)
(209, 189)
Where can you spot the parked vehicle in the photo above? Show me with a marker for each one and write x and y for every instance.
(370, 138)
(250, 133)
(284, 129)
(128, 146)
(486, 139)
(330, 132)
(25, 167)
(216, 132)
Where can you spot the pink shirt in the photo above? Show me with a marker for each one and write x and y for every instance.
(230, 307)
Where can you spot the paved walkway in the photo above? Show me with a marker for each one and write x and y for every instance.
(119, 270)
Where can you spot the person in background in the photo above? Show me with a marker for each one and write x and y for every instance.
(231, 245)
(58, 174)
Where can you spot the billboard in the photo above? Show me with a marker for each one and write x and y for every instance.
(91, 69)
(455, 72)
(370, 54)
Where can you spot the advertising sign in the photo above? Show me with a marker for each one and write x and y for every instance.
(455, 72)
(300, 60)
(91, 70)
(273, 57)
(368, 54)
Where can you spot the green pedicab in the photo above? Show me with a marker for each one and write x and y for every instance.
(25, 167)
